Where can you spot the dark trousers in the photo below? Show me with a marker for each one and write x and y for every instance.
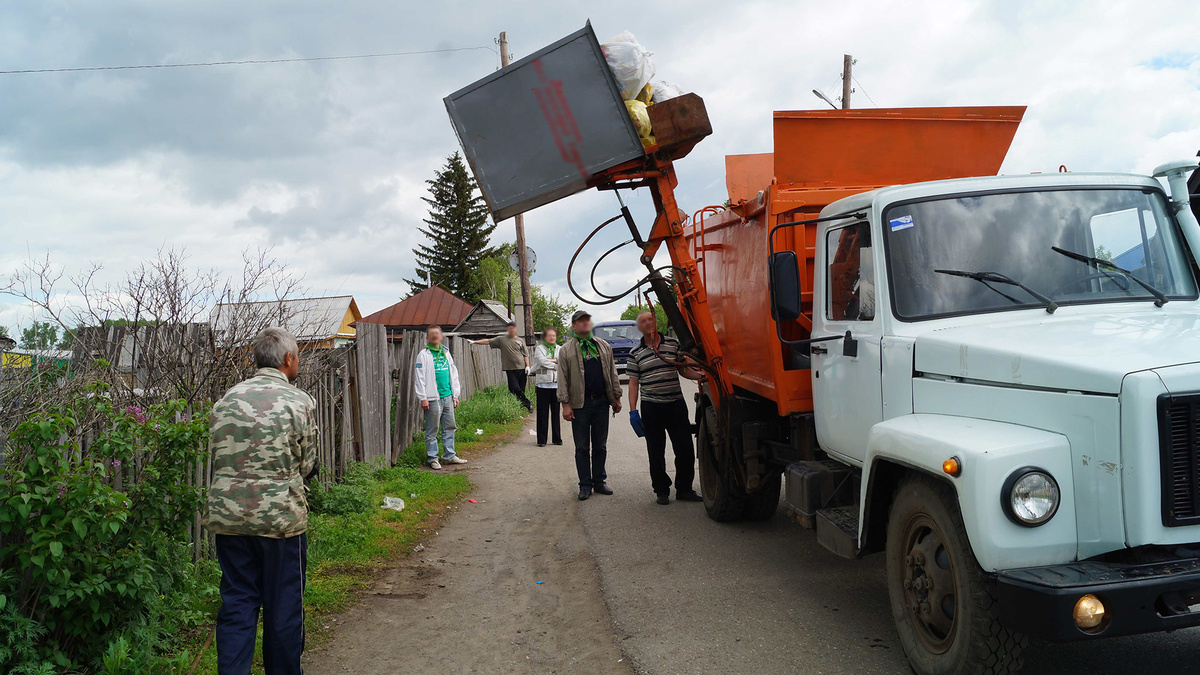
(590, 430)
(547, 415)
(268, 573)
(517, 379)
(661, 420)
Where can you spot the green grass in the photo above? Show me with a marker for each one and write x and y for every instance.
(347, 551)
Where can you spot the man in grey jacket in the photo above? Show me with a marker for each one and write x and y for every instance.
(437, 388)
(590, 392)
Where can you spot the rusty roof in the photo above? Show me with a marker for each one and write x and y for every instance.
(432, 305)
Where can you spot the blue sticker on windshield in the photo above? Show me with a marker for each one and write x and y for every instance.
(901, 223)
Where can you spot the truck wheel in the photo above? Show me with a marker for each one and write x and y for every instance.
(721, 501)
(762, 504)
(943, 604)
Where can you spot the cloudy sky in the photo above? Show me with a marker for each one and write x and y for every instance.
(326, 161)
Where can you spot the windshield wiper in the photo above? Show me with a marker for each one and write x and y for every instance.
(1161, 298)
(997, 278)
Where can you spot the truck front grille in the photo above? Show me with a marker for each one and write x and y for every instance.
(1179, 447)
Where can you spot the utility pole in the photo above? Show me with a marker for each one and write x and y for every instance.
(847, 64)
(522, 258)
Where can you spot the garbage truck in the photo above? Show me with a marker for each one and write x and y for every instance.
(993, 381)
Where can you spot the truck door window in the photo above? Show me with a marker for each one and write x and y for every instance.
(850, 274)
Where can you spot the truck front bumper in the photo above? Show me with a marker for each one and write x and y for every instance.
(1145, 598)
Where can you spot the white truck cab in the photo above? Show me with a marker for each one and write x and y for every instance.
(1017, 390)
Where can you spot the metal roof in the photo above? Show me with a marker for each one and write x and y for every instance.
(432, 305)
(306, 318)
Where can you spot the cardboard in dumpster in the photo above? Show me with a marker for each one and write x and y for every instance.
(538, 130)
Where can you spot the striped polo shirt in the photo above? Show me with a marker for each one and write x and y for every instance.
(658, 380)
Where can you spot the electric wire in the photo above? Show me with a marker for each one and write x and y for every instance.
(863, 90)
(241, 63)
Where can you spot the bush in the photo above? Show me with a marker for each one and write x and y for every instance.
(97, 562)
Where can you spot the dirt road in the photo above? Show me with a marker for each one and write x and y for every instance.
(631, 586)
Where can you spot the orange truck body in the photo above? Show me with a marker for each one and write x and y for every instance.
(819, 157)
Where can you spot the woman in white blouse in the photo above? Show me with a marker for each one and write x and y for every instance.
(545, 383)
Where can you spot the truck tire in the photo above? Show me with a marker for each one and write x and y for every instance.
(762, 504)
(943, 605)
(721, 499)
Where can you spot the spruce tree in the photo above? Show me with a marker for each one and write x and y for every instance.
(458, 227)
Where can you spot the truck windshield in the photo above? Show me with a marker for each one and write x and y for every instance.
(1016, 234)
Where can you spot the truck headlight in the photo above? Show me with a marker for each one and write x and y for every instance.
(1030, 497)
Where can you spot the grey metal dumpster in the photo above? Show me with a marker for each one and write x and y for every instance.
(537, 130)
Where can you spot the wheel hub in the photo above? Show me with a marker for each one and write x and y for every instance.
(929, 584)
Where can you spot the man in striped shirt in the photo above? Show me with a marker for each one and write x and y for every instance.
(654, 370)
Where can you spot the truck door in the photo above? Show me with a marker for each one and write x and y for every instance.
(847, 382)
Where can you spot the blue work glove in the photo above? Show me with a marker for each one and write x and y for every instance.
(635, 421)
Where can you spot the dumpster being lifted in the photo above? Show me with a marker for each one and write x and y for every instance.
(991, 380)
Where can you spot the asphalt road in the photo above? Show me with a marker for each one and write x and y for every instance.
(689, 595)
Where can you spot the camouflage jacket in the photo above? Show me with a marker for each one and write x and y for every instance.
(263, 443)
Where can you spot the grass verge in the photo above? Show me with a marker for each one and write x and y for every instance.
(351, 539)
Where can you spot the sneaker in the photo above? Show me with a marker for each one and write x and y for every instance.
(455, 460)
(603, 489)
(435, 465)
(688, 496)
(664, 498)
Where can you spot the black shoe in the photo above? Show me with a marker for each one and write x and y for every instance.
(603, 489)
(541, 445)
(688, 496)
(664, 498)
(558, 442)
(584, 493)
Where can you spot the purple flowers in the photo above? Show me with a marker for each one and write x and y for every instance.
(137, 413)
(116, 464)
(62, 491)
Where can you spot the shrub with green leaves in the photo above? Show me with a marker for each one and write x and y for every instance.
(95, 560)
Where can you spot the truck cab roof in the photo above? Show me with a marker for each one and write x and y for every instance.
(895, 193)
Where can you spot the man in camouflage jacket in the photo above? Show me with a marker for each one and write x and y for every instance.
(263, 444)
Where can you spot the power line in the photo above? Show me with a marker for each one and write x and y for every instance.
(864, 91)
(240, 63)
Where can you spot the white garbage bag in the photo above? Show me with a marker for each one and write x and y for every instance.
(393, 503)
(630, 63)
(665, 91)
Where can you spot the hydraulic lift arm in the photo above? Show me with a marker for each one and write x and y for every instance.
(690, 317)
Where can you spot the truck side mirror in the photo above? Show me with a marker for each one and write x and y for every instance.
(785, 286)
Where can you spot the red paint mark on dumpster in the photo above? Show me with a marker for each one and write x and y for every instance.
(562, 122)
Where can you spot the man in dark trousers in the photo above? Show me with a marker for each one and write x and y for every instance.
(653, 368)
(514, 360)
(588, 389)
(262, 437)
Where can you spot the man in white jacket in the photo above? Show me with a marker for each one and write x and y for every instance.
(437, 387)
